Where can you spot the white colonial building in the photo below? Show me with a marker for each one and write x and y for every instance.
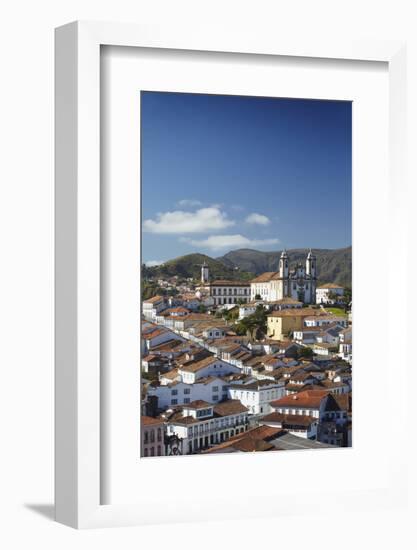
(257, 395)
(329, 294)
(299, 283)
(210, 389)
(222, 291)
(209, 366)
(201, 425)
(152, 306)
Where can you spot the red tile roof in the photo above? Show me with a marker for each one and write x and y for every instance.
(309, 399)
(149, 421)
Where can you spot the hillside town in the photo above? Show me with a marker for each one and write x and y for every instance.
(232, 366)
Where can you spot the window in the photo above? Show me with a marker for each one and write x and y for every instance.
(152, 451)
(186, 400)
(146, 437)
(174, 392)
(159, 434)
(146, 452)
(174, 401)
(152, 436)
(215, 388)
(159, 450)
(187, 390)
(215, 397)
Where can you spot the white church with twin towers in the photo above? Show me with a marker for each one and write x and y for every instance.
(299, 283)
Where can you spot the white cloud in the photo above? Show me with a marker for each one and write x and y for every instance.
(216, 242)
(189, 202)
(177, 222)
(259, 219)
(153, 263)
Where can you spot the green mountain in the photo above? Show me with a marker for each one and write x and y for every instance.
(333, 266)
(190, 266)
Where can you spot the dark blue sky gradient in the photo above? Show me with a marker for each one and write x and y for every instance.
(287, 159)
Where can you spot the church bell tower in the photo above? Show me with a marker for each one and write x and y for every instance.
(204, 273)
(311, 265)
(283, 265)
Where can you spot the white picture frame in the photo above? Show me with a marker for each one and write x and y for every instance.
(78, 258)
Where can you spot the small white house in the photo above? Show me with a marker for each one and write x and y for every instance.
(153, 306)
(158, 336)
(210, 389)
(329, 294)
(300, 425)
(214, 332)
(209, 366)
(257, 395)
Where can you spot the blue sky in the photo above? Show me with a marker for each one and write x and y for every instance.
(226, 172)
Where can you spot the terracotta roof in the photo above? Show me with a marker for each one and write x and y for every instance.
(154, 333)
(195, 367)
(264, 277)
(224, 282)
(344, 401)
(175, 310)
(168, 345)
(250, 445)
(197, 317)
(231, 406)
(149, 421)
(197, 404)
(256, 439)
(285, 301)
(289, 420)
(330, 384)
(171, 375)
(309, 399)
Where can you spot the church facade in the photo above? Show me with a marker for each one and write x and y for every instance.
(299, 283)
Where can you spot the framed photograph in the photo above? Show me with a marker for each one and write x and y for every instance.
(222, 239)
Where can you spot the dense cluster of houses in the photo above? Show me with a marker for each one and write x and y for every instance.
(207, 389)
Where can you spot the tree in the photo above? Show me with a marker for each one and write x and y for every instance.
(231, 314)
(334, 297)
(258, 297)
(254, 325)
(151, 289)
(346, 299)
